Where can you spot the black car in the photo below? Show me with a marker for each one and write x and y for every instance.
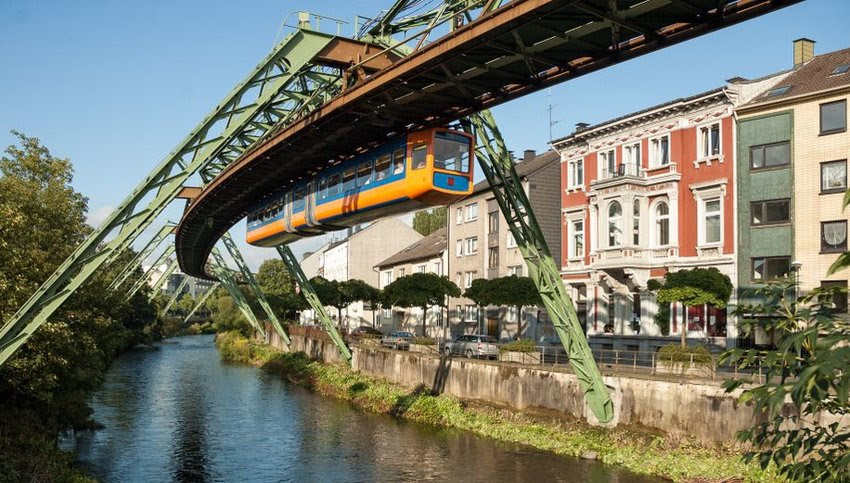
(364, 330)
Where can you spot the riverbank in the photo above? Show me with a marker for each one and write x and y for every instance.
(664, 456)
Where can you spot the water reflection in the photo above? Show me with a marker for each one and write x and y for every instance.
(179, 414)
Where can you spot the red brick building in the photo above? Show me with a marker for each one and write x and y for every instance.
(641, 195)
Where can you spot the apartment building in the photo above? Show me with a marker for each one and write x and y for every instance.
(647, 193)
(427, 255)
(480, 245)
(793, 146)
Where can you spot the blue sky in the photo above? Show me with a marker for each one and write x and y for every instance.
(114, 86)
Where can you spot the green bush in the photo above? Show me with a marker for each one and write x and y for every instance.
(677, 355)
(519, 345)
(423, 341)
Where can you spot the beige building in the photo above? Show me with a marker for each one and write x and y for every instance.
(427, 255)
(480, 245)
(793, 147)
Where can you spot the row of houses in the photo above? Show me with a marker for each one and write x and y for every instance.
(747, 178)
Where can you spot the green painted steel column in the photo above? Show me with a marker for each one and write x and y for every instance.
(310, 294)
(141, 281)
(498, 167)
(140, 257)
(201, 301)
(162, 279)
(229, 282)
(175, 296)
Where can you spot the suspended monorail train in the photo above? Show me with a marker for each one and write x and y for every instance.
(425, 168)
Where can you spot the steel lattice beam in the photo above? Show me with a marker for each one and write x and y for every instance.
(174, 296)
(141, 281)
(141, 256)
(172, 266)
(229, 282)
(201, 301)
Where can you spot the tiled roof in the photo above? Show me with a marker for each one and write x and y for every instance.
(523, 168)
(813, 76)
(429, 247)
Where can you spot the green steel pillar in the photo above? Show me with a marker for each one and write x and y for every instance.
(145, 278)
(313, 299)
(229, 282)
(201, 301)
(140, 257)
(172, 266)
(175, 296)
(498, 167)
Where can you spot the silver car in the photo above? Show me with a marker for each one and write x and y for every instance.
(397, 340)
(473, 345)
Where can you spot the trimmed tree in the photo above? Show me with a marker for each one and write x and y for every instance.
(429, 221)
(359, 291)
(692, 288)
(512, 291)
(421, 290)
(481, 291)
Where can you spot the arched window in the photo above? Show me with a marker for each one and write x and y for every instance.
(615, 224)
(662, 224)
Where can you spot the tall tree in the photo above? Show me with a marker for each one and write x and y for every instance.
(429, 221)
(692, 288)
(360, 291)
(421, 290)
(276, 283)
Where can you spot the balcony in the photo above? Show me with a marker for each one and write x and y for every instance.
(632, 173)
(633, 256)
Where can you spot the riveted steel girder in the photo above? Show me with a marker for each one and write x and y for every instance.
(228, 281)
(495, 160)
(163, 279)
(201, 301)
(183, 282)
(310, 294)
(146, 276)
(142, 255)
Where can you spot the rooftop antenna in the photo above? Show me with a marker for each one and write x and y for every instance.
(550, 109)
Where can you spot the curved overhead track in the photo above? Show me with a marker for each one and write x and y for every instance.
(520, 48)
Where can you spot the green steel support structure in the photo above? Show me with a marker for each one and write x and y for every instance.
(175, 296)
(141, 281)
(283, 86)
(140, 257)
(172, 266)
(230, 284)
(201, 301)
(495, 160)
(310, 294)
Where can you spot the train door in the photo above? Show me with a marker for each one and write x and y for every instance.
(310, 203)
(287, 211)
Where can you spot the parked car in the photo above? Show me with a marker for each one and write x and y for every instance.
(364, 330)
(397, 340)
(473, 345)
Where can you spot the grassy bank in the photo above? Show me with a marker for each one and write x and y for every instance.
(639, 452)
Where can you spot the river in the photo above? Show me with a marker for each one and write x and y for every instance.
(176, 412)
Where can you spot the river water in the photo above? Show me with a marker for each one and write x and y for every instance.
(177, 413)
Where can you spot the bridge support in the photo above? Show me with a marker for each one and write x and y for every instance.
(201, 301)
(229, 282)
(175, 296)
(498, 167)
(141, 281)
(140, 257)
(313, 299)
(172, 266)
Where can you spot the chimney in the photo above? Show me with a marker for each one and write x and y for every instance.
(581, 126)
(804, 51)
(528, 154)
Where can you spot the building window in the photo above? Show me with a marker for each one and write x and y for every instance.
(833, 236)
(708, 141)
(493, 222)
(471, 313)
(459, 248)
(833, 117)
(400, 272)
(833, 176)
(388, 277)
(472, 212)
(468, 278)
(662, 224)
(770, 212)
(459, 215)
(511, 240)
(493, 257)
(659, 152)
(577, 239)
(438, 267)
(608, 164)
(472, 245)
(615, 224)
(837, 300)
(631, 153)
(636, 222)
(460, 311)
(712, 221)
(420, 269)
(770, 155)
(388, 313)
(769, 268)
(576, 173)
(515, 270)
(459, 279)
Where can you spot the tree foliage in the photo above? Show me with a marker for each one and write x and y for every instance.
(429, 221)
(512, 291)
(276, 283)
(806, 439)
(421, 290)
(695, 287)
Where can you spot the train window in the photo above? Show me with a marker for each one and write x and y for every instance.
(323, 188)
(333, 184)
(299, 199)
(348, 179)
(382, 167)
(419, 155)
(451, 152)
(398, 161)
(364, 173)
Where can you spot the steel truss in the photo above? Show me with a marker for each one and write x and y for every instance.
(310, 294)
(146, 276)
(183, 282)
(201, 301)
(284, 86)
(229, 282)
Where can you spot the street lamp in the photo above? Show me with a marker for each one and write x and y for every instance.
(796, 265)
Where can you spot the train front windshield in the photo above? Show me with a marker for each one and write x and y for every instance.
(451, 152)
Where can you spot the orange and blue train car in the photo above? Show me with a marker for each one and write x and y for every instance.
(425, 168)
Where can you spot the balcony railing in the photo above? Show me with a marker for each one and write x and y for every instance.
(622, 170)
(619, 254)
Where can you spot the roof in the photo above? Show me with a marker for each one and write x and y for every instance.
(813, 76)
(682, 100)
(429, 247)
(523, 168)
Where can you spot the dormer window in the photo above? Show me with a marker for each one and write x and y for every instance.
(777, 91)
(841, 69)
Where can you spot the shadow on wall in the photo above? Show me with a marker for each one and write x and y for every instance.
(441, 375)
